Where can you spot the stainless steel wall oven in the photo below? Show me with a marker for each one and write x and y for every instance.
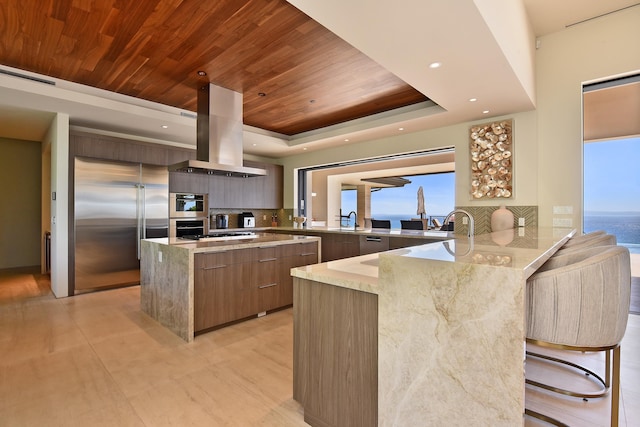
(179, 227)
(188, 205)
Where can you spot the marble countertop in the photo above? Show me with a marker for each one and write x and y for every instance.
(524, 249)
(261, 240)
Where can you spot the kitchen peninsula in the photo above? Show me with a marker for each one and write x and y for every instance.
(424, 335)
(191, 287)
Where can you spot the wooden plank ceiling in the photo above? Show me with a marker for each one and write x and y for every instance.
(153, 49)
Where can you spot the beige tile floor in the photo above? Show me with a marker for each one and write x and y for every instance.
(96, 360)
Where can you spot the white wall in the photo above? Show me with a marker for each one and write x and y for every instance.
(606, 46)
(58, 137)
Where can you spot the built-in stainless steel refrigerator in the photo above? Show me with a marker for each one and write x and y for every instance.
(115, 205)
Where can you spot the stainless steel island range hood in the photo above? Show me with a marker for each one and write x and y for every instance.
(219, 135)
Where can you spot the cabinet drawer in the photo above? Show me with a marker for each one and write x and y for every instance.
(265, 254)
(218, 259)
(373, 244)
(299, 249)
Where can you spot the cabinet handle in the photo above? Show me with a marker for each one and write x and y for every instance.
(267, 260)
(374, 239)
(267, 286)
(215, 266)
(308, 253)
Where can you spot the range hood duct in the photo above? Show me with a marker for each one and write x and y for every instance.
(219, 136)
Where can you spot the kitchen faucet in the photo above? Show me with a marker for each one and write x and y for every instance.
(348, 218)
(453, 212)
(355, 219)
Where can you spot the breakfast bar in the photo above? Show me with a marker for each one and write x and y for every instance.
(424, 335)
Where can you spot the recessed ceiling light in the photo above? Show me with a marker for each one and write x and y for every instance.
(473, 99)
(202, 73)
(311, 101)
(305, 148)
(400, 128)
(164, 127)
(435, 65)
(255, 145)
(262, 94)
(346, 140)
(485, 112)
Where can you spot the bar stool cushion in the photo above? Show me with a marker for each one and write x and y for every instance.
(580, 298)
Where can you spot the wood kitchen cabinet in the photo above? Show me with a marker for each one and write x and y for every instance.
(295, 255)
(273, 272)
(260, 192)
(338, 246)
(265, 277)
(373, 244)
(335, 354)
(223, 291)
(235, 284)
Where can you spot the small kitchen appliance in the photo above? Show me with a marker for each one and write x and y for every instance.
(222, 221)
(246, 220)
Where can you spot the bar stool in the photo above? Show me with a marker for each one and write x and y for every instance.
(578, 240)
(602, 239)
(411, 224)
(380, 223)
(580, 302)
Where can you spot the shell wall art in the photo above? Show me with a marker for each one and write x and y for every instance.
(491, 148)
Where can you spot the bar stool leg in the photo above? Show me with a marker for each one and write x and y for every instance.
(615, 392)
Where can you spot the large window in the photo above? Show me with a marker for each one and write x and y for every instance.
(612, 189)
(327, 191)
(398, 203)
(611, 159)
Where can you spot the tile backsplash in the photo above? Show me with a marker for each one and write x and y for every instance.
(482, 217)
(263, 216)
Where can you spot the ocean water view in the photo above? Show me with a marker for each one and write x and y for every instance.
(625, 226)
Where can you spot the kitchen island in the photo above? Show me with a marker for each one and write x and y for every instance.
(194, 286)
(425, 335)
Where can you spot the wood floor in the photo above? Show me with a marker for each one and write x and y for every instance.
(97, 360)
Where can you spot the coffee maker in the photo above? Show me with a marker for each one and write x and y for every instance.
(222, 221)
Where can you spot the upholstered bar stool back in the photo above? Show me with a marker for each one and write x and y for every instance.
(577, 240)
(580, 301)
(599, 240)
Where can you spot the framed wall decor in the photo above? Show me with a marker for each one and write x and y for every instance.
(491, 150)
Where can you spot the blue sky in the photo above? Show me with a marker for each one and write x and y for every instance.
(612, 176)
(439, 195)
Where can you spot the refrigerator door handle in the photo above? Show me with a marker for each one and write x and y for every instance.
(139, 217)
(143, 203)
